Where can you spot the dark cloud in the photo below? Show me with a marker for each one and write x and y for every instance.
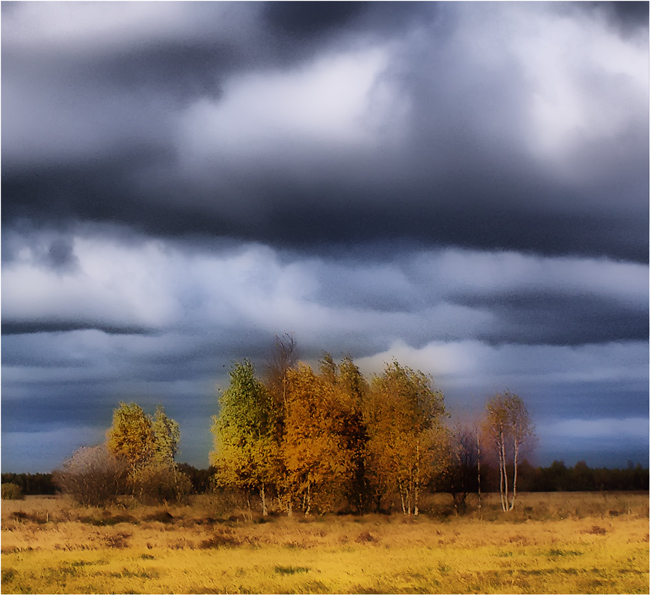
(10, 327)
(309, 19)
(556, 319)
(182, 181)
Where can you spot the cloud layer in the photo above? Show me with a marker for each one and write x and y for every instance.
(462, 186)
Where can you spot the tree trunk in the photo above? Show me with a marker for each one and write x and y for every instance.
(401, 495)
(265, 511)
(416, 483)
(501, 488)
(308, 499)
(478, 466)
(505, 475)
(514, 476)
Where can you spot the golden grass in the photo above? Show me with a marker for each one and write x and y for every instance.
(554, 543)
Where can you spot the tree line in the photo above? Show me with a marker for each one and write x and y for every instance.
(324, 439)
(557, 477)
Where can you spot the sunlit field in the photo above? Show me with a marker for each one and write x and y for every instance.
(553, 543)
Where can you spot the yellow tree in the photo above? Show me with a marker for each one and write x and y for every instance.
(407, 440)
(130, 438)
(245, 447)
(315, 449)
(147, 446)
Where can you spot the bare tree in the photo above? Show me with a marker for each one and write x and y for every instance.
(509, 426)
(464, 453)
(282, 358)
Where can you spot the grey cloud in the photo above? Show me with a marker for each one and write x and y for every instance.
(462, 178)
(556, 319)
(451, 152)
(17, 327)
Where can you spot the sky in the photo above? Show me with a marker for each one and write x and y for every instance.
(462, 187)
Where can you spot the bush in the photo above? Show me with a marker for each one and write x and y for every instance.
(158, 483)
(12, 491)
(92, 476)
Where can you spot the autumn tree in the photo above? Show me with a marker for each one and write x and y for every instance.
(316, 448)
(403, 417)
(508, 426)
(147, 446)
(245, 446)
(355, 386)
(167, 435)
(130, 437)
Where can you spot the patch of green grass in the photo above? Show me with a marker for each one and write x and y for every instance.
(290, 569)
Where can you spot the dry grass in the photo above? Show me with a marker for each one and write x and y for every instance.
(554, 543)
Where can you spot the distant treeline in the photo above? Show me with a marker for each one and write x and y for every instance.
(557, 477)
(581, 478)
(36, 484)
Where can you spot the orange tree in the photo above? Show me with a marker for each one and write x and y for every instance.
(317, 449)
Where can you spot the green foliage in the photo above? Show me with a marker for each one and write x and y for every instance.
(166, 437)
(12, 491)
(245, 448)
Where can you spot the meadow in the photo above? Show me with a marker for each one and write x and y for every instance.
(551, 543)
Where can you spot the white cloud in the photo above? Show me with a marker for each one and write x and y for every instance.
(324, 104)
(459, 363)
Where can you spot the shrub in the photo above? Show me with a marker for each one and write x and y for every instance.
(92, 476)
(12, 491)
(157, 483)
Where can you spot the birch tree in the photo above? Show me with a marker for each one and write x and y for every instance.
(406, 437)
(317, 451)
(245, 449)
(509, 427)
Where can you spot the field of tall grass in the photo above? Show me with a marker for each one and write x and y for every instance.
(552, 543)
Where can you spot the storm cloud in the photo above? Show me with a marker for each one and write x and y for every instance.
(445, 183)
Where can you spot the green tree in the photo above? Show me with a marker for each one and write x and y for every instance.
(245, 447)
(509, 427)
(167, 435)
(406, 446)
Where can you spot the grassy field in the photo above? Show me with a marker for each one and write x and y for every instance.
(553, 543)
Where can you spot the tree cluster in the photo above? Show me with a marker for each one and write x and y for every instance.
(317, 440)
(136, 459)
